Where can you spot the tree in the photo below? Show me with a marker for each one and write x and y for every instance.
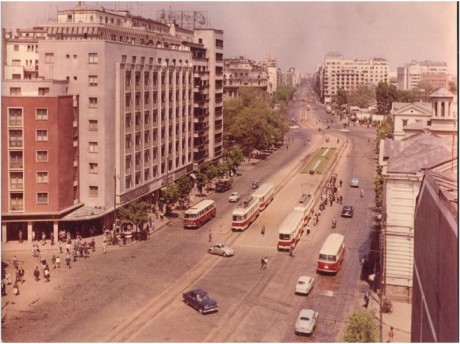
(185, 185)
(136, 212)
(341, 97)
(385, 95)
(361, 328)
(452, 87)
(201, 180)
(284, 93)
(424, 90)
(361, 96)
(234, 158)
(170, 195)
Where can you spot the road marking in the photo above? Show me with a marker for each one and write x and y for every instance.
(325, 152)
(328, 293)
(316, 165)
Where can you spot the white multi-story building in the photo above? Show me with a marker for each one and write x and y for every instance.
(243, 72)
(433, 72)
(348, 74)
(135, 79)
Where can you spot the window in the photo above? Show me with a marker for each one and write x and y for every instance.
(42, 177)
(16, 47)
(15, 117)
(92, 58)
(93, 102)
(42, 198)
(15, 91)
(404, 122)
(41, 114)
(93, 147)
(93, 167)
(17, 62)
(16, 181)
(16, 201)
(92, 80)
(93, 125)
(15, 138)
(42, 156)
(49, 58)
(43, 91)
(93, 191)
(42, 135)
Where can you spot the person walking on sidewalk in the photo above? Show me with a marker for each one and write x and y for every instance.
(67, 260)
(210, 236)
(58, 262)
(53, 260)
(366, 300)
(37, 274)
(20, 236)
(16, 289)
(391, 335)
(47, 273)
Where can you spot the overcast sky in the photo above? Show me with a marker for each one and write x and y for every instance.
(300, 34)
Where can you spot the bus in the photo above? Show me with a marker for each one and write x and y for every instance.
(305, 206)
(245, 213)
(265, 194)
(290, 230)
(200, 213)
(332, 253)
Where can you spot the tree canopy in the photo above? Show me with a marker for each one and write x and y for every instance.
(385, 95)
(361, 328)
(136, 212)
(361, 96)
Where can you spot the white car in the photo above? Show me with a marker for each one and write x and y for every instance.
(354, 182)
(304, 285)
(221, 250)
(306, 321)
(234, 197)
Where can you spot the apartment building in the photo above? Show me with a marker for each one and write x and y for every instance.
(135, 80)
(348, 74)
(20, 53)
(410, 75)
(40, 139)
(435, 294)
(243, 72)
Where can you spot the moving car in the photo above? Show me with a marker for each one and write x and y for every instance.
(221, 249)
(306, 321)
(347, 211)
(354, 182)
(304, 284)
(234, 197)
(200, 300)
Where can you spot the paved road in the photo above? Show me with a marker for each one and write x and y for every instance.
(134, 294)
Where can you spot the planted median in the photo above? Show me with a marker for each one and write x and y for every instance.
(319, 162)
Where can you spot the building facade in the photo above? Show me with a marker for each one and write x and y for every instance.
(413, 73)
(435, 292)
(348, 74)
(135, 79)
(40, 140)
(243, 72)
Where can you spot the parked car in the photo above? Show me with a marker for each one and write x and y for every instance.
(200, 300)
(223, 185)
(354, 182)
(234, 197)
(221, 249)
(306, 321)
(347, 211)
(304, 285)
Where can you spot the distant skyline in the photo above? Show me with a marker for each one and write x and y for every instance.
(299, 34)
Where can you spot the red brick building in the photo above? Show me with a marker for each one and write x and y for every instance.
(40, 156)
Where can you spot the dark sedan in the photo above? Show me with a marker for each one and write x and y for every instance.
(200, 300)
(347, 211)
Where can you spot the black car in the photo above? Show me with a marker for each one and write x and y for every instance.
(347, 211)
(200, 300)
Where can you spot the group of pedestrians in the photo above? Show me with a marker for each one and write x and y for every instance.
(330, 194)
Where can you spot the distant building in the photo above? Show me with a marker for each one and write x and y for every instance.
(438, 117)
(243, 72)
(435, 292)
(348, 74)
(433, 72)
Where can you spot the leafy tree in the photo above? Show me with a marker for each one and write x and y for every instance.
(249, 95)
(361, 96)
(170, 195)
(424, 90)
(406, 96)
(185, 186)
(385, 95)
(284, 93)
(341, 97)
(201, 180)
(234, 158)
(452, 87)
(361, 328)
(136, 212)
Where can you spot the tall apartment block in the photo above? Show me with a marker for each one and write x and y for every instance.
(135, 81)
(348, 74)
(433, 72)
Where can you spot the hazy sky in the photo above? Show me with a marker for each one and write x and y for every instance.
(299, 34)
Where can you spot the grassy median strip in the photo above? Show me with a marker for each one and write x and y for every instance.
(319, 161)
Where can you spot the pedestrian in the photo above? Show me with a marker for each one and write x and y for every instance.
(37, 274)
(265, 265)
(20, 236)
(308, 230)
(58, 262)
(366, 300)
(60, 246)
(3, 287)
(15, 262)
(67, 260)
(291, 250)
(52, 238)
(18, 276)
(75, 254)
(16, 289)
(210, 236)
(104, 245)
(53, 260)
(340, 182)
(391, 335)
(34, 236)
(8, 277)
(263, 230)
(93, 245)
(47, 274)
(21, 273)
(43, 238)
